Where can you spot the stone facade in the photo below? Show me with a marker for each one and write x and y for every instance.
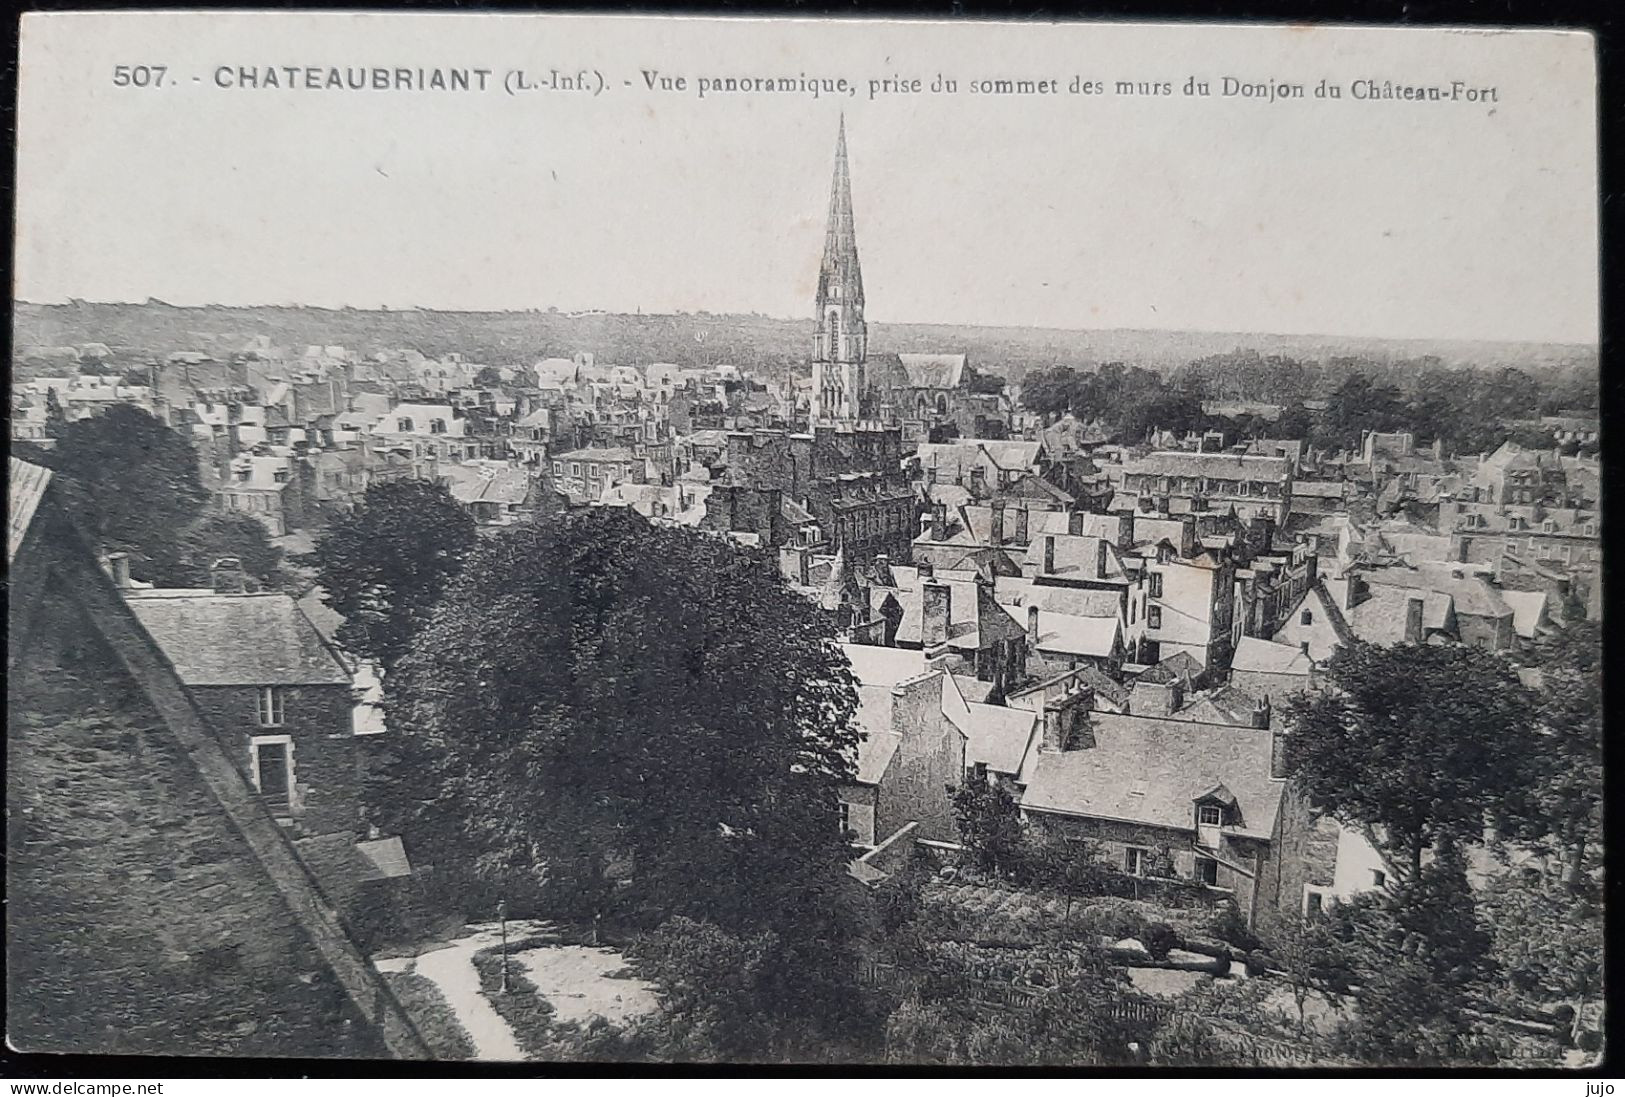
(326, 793)
(150, 927)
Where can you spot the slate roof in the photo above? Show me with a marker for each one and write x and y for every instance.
(1469, 595)
(1226, 705)
(998, 737)
(608, 453)
(1319, 489)
(237, 639)
(1268, 657)
(1173, 761)
(470, 484)
(1528, 609)
(1076, 557)
(1064, 634)
(1218, 466)
(933, 371)
(1180, 667)
(1380, 617)
(28, 483)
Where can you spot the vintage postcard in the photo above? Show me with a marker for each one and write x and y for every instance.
(687, 540)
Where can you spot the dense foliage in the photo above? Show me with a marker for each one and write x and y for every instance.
(639, 720)
(1433, 763)
(130, 483)
(384, 565)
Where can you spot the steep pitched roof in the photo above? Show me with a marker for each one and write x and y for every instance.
(998, 737)
(934, 371)
(237, 639)
(1267, 657)
(1064, 634)
(1147, 770)
(28, 483)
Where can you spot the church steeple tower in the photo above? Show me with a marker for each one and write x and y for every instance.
(841, 343)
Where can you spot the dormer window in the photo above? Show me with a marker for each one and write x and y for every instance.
(1548, 526)
(1209, 815)
(437, 426)
(405, 426)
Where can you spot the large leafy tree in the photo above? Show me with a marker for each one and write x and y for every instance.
(1569, 769)
(131, 483)
(989, 823)
(1422, 745)
(216, 536)
(383, 565)
(1420, 952)
(595, 691)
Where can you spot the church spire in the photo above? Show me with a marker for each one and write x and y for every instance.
(841, 342)
(840, 235)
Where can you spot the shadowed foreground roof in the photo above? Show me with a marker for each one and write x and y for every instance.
(237, 639)
(27, 489)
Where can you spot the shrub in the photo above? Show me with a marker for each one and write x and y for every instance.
(1591, 1040)
(1256, 964)
(1159, 940)
(1230, 927)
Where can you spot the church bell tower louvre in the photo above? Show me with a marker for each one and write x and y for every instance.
(840, 344)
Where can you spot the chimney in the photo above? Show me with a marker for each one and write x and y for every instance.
(1074, 522)
(978, 481)
(1261, 712)
(1053, 738)
(1303, 646)
(1278, 753)
(1032, 628)
(1100, 558)
(118, 566)
(1413, 620)
(1049, 555)
(227, 574)
(883, 568)
(935, 602)
(803, 567)
(939, 520)
(1154, 699)
(1022, 535)
(998, 523)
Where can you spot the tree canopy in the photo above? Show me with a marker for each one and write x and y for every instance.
(215, 536)
(130, 482)
(1425, 745)
(383, 565)
(594, 691)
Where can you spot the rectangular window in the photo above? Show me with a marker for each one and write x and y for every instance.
(1135, 860)
(1156, 584)
(592, 470)
(1210, 815)
(1207, 871)
(271, 706)
(1314, 902)
(575, 469)
(271, 766)
(1153, 616)
(846, 817)
(1512, 548)
(1307, 617)
(1378, 877)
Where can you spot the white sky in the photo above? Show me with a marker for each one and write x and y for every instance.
(1384, 219)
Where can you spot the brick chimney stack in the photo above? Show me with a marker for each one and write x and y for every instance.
(227, 574)
(1032, 628)
(118, 566)
(1413, 620)
(936, 600)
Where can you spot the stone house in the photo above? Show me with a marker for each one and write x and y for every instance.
(272, 688)
(1196, 802)
(912, 755)
(150, 892)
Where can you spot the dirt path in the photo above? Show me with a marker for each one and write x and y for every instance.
(452, 970)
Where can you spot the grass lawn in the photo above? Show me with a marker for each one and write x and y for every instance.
(427, 1007)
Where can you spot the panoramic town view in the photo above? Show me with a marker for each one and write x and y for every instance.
(672, 688)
